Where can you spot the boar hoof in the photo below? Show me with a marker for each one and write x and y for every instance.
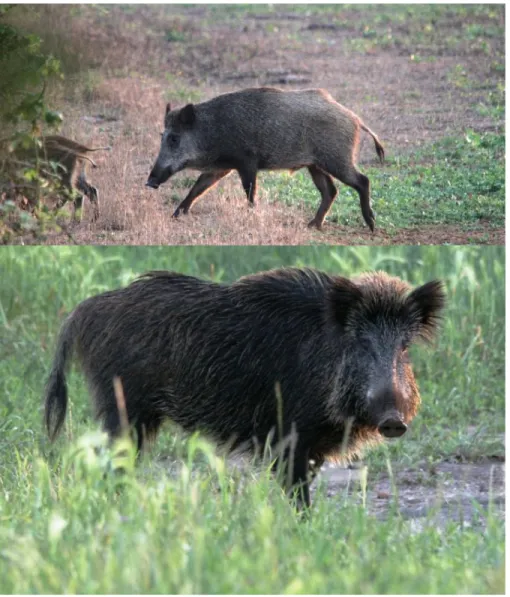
(315, 224)
(370, 220)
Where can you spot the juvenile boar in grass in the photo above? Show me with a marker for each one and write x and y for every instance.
(208, 356)
(67, 160)
(265, 129)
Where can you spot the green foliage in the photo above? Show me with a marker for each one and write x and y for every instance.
(79, 517)
(174, 35)
(403, 27)
(83, 531)
(27, 179)
(455, 180)
(24, 68)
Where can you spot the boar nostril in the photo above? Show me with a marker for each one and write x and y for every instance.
(392, 428)
(151, 184)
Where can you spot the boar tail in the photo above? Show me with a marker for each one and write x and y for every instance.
(84, 157)
(55, 403)
(105, 148)
(378, 145)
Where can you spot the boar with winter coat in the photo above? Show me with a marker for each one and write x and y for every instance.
(209, 357)
(265, 129)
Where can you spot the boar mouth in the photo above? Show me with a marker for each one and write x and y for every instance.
(158, 177)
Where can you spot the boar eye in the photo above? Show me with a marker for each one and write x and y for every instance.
(173, 140)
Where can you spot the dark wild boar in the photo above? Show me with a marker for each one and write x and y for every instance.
(208, 357)
(265, 129)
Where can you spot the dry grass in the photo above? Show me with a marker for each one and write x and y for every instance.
(407, 103)
(143, 216)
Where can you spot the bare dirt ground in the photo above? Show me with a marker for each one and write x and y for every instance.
(449, 491)
(408, 101)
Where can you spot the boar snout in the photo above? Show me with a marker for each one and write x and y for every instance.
(392, 426)
(152, 183)
(158, 176)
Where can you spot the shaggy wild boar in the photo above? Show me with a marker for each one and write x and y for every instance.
(208, 356)
(265, 129)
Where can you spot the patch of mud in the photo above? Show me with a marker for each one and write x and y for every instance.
(447, 492)
(463, 494)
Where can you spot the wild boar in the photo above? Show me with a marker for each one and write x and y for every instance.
(265, 129)
(64, 159)
(208, 356)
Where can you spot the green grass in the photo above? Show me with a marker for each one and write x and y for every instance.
(65, 526)
(453, 181)
(419, 29)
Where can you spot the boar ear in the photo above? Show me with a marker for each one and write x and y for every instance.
(168, 109)
(187, 115)
(343, 297)
(426, 303)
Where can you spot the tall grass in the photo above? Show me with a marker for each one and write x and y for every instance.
(71, 523)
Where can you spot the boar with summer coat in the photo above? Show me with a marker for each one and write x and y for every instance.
(266, 129)
(72, 160)
(208, 357)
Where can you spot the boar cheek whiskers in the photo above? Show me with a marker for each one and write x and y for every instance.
(340, 389)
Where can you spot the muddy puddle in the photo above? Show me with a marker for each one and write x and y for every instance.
(429, 495)
(460, 492)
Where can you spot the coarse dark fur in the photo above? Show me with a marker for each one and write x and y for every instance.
(266, 129)
(208, 356)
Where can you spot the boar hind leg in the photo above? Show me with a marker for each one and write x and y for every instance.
(353, 178)
(146, 430)
(249, 181)
(140, 431)
(204, 181)
(362, 185)
(94, 202)
(77, 208)
(89, 191)
(328, 192)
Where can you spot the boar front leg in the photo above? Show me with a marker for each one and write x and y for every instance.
(314, 467)
(300, 484)
(294, 468)
(204, 181)
(328, 192)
